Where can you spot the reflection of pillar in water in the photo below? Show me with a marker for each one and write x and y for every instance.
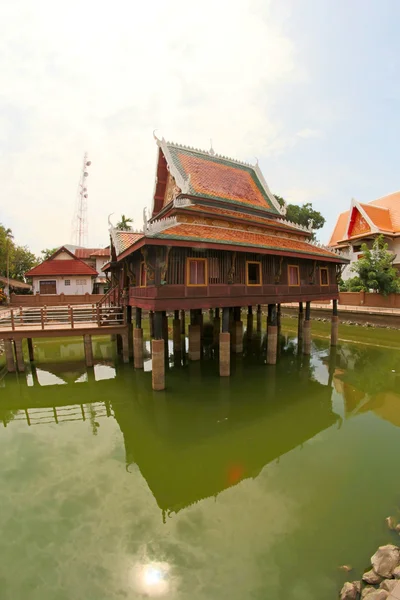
(334, 324)
(10, 360)
(151, 322)
(138, 348)
(217, 327)
(272, 335)
(307, 330)
(300, 323)
(183, 325)
(224, 345)
(332, 366)
(249, 321)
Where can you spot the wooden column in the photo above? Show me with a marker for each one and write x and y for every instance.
(183, 324)
(307, 330)
(176, 333)
(20, 356)
(259, 319)
(158, 354)
(216, 327)
(237, 347)
(130, 329)
(10, 359)
(225, 346)
(272, 335)
(194, 342)
(151, 321)
(138, 348)
(334, 324)
(87, 344)
(31, 351)
(249, 321)
(300, 324)
(165, 334)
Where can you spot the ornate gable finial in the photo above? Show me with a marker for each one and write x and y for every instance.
(211, 150)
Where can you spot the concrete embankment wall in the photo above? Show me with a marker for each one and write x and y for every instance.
(370, 300)
(375, 319)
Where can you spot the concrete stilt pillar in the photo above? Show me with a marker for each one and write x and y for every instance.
(300, 324)
(31, 351)
(272, 335)
(259, 319)
(20, 356)
(237, 346)
(119, 344)
(176, 333)
(211, 315)
(183, 324)
(307, 330)
(10, 359)
(225, 354)
(158, 362)
(225, 345)
(334, 325)
(249, 321)
(194, 342)
(138, 348)
(125, 347)
(279, 318)
(87, 344)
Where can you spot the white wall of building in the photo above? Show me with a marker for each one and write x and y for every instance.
(77, 284)
(348, 252)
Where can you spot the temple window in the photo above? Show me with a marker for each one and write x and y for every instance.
(324, 276)
(253, 273)
(293, 275)
(196, 271)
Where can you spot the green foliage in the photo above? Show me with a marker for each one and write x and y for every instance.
(125, 224)
(354, 284)
(375, 269)
(303, 214)
(18, 258)
(47, 252)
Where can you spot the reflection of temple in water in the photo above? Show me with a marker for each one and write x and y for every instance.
(201, 440)
(364, 386)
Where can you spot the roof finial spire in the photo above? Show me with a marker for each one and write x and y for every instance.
(211, 150)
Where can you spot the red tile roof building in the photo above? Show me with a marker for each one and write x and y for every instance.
(363, 223)
(216, 230)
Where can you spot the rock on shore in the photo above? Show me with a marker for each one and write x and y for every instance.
(385, 572)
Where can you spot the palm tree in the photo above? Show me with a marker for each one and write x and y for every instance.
(125, 223)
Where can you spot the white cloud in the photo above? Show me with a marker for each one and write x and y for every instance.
(100, 77)
(310, 133)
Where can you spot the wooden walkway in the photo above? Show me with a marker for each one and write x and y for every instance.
(58, 322)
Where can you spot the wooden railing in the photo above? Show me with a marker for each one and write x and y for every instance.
(72, 316)
(110, 298)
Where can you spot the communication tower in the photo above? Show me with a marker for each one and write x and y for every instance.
(80, 222)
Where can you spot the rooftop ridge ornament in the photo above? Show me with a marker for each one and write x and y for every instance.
(159, 225)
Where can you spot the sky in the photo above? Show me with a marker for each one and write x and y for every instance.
(311, 89)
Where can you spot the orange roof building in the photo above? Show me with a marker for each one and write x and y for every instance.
(217, 237)
(363, 223)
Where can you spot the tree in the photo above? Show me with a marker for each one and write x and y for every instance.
(375, 268)
(303, 214)
(47, 252)
(125, 223)
(14, 260)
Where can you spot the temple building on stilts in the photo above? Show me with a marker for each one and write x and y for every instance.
(216, 239)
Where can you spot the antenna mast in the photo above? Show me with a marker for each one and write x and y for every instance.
(80, 223)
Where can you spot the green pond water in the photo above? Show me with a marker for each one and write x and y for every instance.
(254, 487)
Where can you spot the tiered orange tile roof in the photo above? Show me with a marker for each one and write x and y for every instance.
(384, 214)
(223, 212)
(124, 239)
(220, 235)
